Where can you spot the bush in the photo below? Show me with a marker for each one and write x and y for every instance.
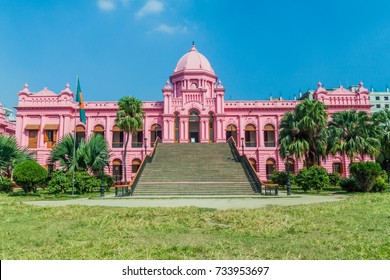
(334, 178)
(366, 173)
(6, 185)
(60, 182)
(108, 182)
(349, 184)
(85, 183)
(380, 184)
(315, 178)
(29, 175)
(279, 177)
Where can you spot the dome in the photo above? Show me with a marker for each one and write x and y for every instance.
(193, 60)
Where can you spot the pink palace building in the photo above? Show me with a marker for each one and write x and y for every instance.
(193, 110)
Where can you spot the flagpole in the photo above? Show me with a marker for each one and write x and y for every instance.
(74, 141)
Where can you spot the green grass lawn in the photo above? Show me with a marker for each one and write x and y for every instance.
(356, 228)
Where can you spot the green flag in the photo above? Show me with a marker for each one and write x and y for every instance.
(80, 100)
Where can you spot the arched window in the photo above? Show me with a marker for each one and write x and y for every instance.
(270, 167)
(98, 129)
(269, 135)
(177, 124)
(193, 126)
(80, 133)
(155, 131)
(231, 131)
(137, 139)
(135, 165)
(117, 137)
(250, 136)
(117, 170)
(211, 127)
(253, 162)
(338, 167)
(290, 166)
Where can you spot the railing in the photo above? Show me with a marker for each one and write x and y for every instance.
(147, 159)
(250, 172)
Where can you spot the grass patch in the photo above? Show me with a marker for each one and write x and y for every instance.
(356, 228)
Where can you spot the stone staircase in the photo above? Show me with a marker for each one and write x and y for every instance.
(193, 169)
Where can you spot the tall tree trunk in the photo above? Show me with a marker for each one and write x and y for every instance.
(124, 156)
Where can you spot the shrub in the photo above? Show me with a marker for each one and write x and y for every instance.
(349, 184)
(6, 184)
(108, 182)
(279, 177)
(85, 183)
(366, 173)
(60, 182)
(334, 178)
(302, 178)
(29, 175)
(315, 178)
(380, 184)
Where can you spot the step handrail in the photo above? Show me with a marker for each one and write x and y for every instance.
(248, 168)
(147, 159)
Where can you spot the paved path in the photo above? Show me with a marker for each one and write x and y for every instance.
(220, 203)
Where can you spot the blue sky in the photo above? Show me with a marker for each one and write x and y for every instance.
(130, 47)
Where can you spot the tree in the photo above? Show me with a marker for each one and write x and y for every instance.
(303, 132)
(90, 155)
(11, 154)
(29, 175)
(352, 133)
(381, 121)
(129, 118)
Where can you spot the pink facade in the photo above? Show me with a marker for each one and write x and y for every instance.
(193, 110)
(6, 126)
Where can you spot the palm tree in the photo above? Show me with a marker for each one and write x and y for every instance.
(381, 121)
(352, 133)
(303, 132)
(90, 155)
(129, 118)
(95, 153)
(11, 154)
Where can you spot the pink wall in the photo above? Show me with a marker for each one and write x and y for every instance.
(6, 127)
(193, 86)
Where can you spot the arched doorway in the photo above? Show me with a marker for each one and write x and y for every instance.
(176, 128)
(231, 131)
(117, 170)
(270, 167)
(269, 135)
(135, 164)
(211, 127)
(253, 162)
(98, 129)
(80, 133)
(193, 126)
(155, 131)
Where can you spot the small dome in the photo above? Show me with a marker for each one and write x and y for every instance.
(193, 60)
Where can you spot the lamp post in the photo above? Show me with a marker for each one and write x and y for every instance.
(288, 174)
(242, 145)
(145, 139)
(102, 184)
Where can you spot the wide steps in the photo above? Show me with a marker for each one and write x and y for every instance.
(193, 169)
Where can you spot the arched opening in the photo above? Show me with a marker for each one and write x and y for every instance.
(231, 131)
(135, 164)
(250, 136)
(80, 133)
(338, 167)
(117, 137)
(269, 135)
(155, 131)
(270, 167)
(193, 126)
(290, 166)
(117, 170)
(253, 162)
(98, 129)
(176, 132)
(211, 127)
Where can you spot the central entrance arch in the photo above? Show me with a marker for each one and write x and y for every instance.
(193, 126)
